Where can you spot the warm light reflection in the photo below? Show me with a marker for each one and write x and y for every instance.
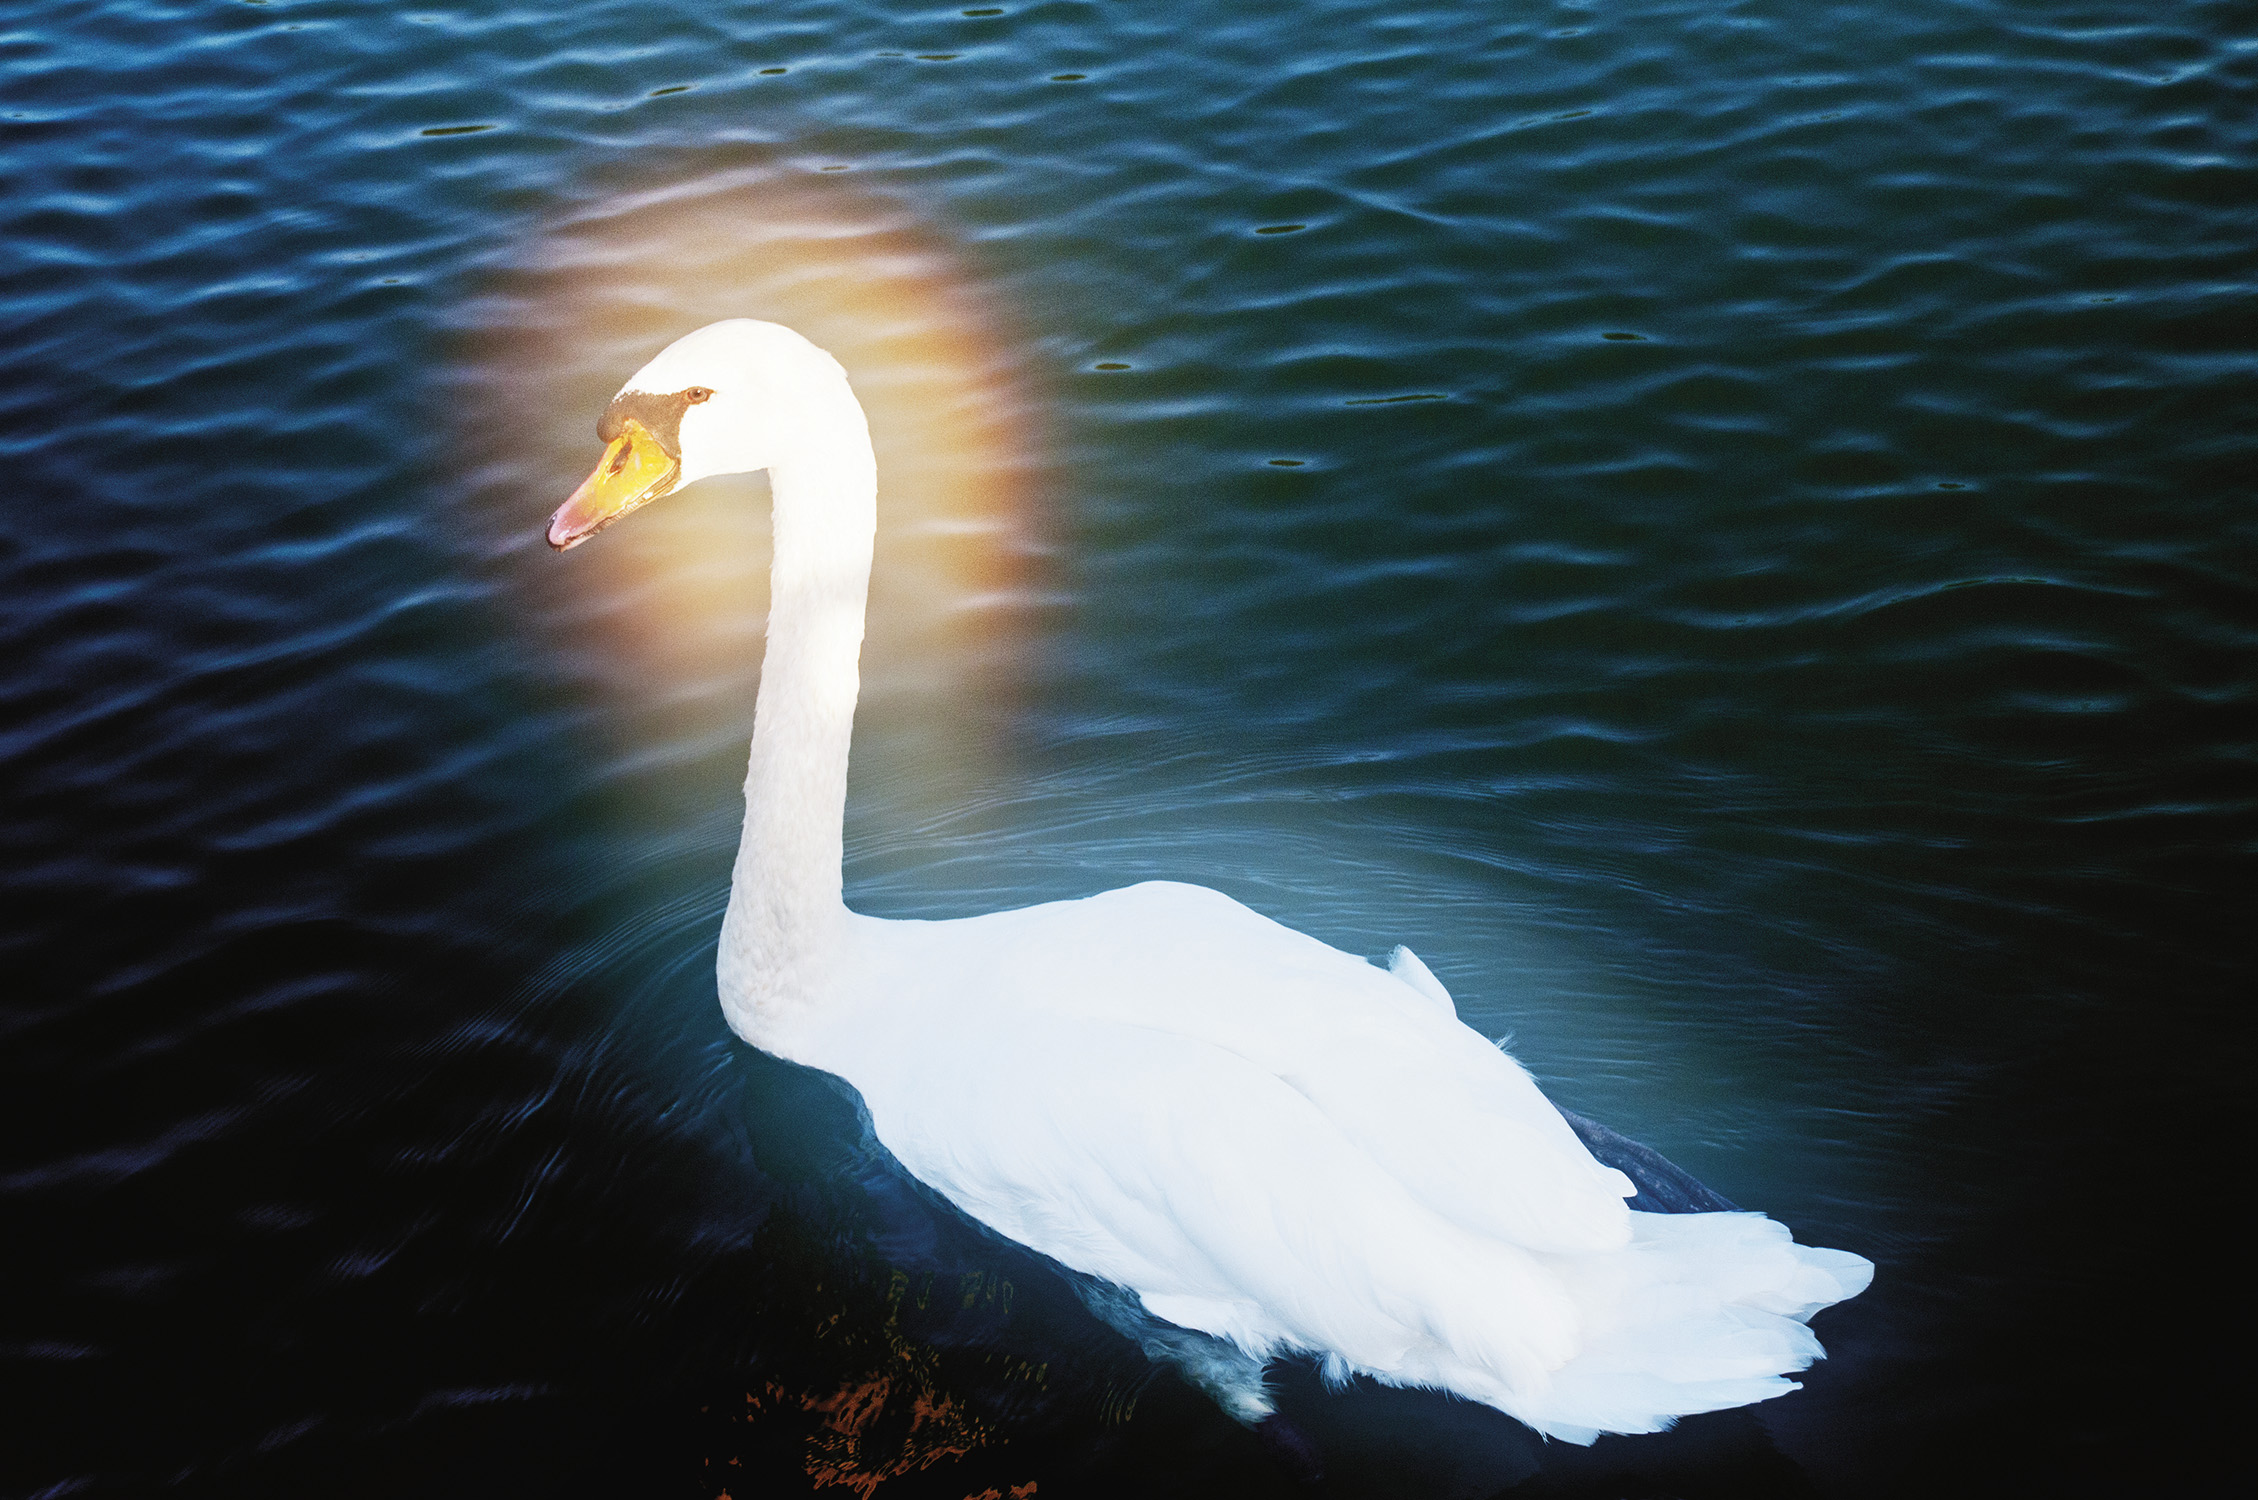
(673, 599)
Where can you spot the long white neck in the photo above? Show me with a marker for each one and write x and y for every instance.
(786, 914)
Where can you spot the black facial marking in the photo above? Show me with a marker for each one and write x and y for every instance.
(661, 415)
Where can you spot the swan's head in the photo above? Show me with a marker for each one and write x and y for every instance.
(728, 399)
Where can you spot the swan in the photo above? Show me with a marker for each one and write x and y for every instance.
(1265, 1144)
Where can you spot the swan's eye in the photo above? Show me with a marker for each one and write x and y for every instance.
(697, 394)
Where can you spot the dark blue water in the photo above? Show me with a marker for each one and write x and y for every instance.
(1727, 527)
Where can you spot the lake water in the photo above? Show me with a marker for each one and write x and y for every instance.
(1728, 527)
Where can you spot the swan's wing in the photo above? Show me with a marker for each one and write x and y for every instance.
(1225, 1198)
(1460, 1125)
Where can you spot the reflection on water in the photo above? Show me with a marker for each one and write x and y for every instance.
(890, 1414)
(1726, 529)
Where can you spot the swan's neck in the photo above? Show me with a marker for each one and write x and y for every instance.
(786, 915)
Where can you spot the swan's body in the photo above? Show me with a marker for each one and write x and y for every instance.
(1262, 1138)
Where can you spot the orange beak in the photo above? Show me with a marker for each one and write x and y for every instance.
(635, 470)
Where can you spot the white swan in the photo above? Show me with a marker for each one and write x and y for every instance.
(1261, 1138)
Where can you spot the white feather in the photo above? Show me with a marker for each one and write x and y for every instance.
(1405, 965)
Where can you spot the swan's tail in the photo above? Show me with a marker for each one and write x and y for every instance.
(1701, 1312)
(1698, 1313)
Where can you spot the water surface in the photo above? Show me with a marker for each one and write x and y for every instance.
(1727, 527)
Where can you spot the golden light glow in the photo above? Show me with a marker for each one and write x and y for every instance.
(675, 596)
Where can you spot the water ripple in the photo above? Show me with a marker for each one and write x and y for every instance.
(1729, 530)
